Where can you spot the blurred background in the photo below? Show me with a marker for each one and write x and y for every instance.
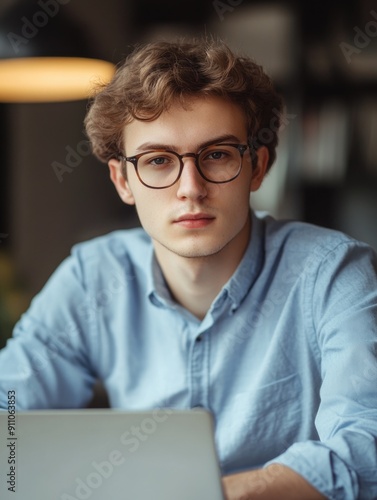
(322, 56)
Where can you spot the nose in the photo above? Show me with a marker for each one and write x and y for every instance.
(191, 184)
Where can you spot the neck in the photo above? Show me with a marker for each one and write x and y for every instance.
(195, 282)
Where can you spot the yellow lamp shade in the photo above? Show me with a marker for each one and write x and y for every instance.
(51, 79)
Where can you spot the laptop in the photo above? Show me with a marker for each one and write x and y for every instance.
(107, 454)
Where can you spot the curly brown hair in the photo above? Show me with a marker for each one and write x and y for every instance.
(155, 75)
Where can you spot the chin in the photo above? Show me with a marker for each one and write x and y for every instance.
(197, 251)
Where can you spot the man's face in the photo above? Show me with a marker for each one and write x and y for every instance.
(192, 218)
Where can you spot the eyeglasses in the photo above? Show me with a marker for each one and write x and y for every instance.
(159, 169)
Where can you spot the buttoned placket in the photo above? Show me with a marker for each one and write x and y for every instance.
(198, 366)
(199, 353)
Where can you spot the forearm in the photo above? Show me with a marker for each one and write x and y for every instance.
(274, 482)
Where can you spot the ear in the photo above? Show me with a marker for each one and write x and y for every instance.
(120, 182)
(259, 168)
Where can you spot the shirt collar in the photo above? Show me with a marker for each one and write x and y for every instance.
(157, 289)
(249, 268)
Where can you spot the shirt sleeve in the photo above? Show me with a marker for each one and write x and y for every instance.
(47, 361)
(341, 308)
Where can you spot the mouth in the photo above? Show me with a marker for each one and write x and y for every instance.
(194, 220)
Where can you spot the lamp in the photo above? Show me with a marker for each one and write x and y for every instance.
(45, 56)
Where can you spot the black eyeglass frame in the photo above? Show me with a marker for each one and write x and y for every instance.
(134, 160)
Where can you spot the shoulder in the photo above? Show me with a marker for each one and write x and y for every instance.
(302, 237)
(94, 264)
(305, 248)
(131, 242)
(118, 250)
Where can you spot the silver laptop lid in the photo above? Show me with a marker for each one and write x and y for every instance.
(109, 454)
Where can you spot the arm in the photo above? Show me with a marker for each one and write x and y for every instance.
(342, 304)
(46, 362)
(275, 482)
(340, 310)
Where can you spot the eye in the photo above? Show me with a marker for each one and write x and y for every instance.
(216, 155)
(156, 159)
(159, 160)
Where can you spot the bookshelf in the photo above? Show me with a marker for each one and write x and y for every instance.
(333, 169)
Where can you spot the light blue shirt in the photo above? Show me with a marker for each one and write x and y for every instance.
(286, 357)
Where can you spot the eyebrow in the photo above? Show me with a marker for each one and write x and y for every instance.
(148, 146)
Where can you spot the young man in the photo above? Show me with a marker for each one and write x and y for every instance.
(271, 325)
